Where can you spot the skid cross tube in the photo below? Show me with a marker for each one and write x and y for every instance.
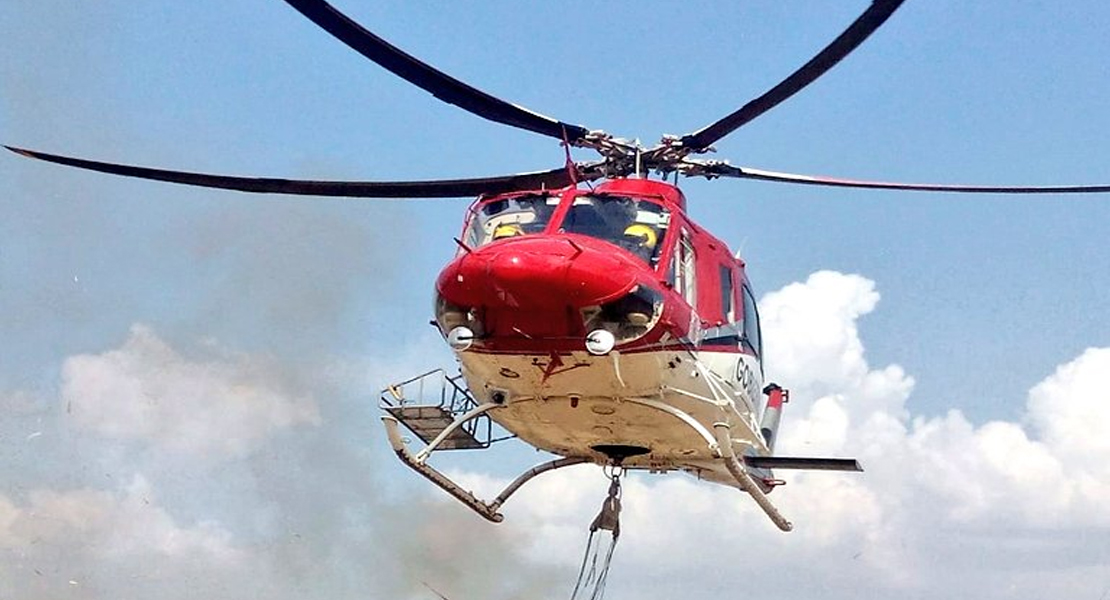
(488, 510)
(530, 473)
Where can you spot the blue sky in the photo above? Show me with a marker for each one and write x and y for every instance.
(982, 297)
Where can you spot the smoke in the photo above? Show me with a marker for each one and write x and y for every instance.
(198, 470)
(302, 266)
(147, 391)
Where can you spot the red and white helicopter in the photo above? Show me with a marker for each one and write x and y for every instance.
(595, 321)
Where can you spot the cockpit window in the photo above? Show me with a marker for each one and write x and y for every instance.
(634, 224)
(509, 217)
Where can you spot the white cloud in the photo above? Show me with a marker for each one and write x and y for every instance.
(813, 346)
(145, 390)
(1069, 411)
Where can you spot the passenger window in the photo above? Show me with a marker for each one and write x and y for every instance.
(751, 324)
(728, 312)
(687, 271)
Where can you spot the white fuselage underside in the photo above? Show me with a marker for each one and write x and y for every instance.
(665, 402)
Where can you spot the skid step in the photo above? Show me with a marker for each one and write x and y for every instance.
(427, 422)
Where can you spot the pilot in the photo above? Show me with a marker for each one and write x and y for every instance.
(643, 238)
(507, 230)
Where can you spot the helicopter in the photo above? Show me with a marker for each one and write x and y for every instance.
(595, 321)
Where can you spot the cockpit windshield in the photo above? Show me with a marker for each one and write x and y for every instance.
(635, 224)
(510, 217)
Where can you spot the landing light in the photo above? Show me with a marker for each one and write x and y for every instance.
(600, 342)
(460, 338)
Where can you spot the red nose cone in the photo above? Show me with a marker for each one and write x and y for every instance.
(539, 272)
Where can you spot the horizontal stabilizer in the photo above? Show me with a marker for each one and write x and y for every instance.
(799, 462)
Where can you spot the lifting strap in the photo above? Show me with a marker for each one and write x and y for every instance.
(599, 554)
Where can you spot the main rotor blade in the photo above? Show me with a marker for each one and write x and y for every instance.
(428, 78)
(843, 45)
(724, 170)
(449, 188)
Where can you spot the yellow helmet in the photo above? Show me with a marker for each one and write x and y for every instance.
(647, 235)
(507, 230)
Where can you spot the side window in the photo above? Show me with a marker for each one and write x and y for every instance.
(728, 311)
(751, 323)
(687, 271)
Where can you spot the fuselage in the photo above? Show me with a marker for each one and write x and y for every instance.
(606, 323)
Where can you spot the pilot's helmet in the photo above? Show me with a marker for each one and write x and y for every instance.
(644, 234)
(507, 230)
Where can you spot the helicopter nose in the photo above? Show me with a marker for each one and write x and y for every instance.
(536, 272)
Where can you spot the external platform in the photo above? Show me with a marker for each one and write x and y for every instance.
(427, 422)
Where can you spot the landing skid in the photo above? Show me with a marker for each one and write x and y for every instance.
(452, 420)
(488, 510)
(439, 409)
(745, 481)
